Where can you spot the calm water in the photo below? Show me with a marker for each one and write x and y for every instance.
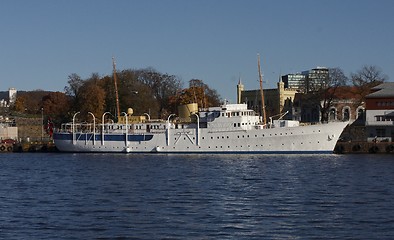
(106, 196)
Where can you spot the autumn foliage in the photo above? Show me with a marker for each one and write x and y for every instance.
(146, 91)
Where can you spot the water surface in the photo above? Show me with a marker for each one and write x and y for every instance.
(126, 196)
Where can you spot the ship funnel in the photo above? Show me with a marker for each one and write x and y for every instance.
(185, 111)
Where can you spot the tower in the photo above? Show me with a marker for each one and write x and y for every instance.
(240, 89)
(12, 95)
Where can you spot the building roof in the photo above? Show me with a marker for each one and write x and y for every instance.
(384, 93)
(384, 90)
(384, 85)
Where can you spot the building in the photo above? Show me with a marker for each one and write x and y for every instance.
(294, 81)
(12, 95)
(380, 113)
(316, 78)
(307, 81)
(345, 106)
(277, 100)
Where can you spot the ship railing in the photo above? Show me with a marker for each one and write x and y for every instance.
(78, 128)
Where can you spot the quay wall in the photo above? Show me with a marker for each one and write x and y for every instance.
(363, 147)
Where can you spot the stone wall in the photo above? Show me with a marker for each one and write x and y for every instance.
(30, 129)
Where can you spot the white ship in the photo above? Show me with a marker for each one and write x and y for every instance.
(230, 128)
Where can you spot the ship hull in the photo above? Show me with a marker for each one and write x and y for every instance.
(319, 138)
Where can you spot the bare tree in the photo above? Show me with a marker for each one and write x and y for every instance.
(336, 78)
(163, 86)
(74, 83)
(366, 78)
(322, 91)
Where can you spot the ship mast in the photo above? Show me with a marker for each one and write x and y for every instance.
(116, 88)
(261, 90)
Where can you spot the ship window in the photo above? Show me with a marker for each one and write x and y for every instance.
(239, 124)
(235, 124)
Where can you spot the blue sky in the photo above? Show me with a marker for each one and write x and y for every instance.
(217, 41)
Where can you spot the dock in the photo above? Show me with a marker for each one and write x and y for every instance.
(364, 147)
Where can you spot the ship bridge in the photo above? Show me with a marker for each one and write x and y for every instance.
(231, 116)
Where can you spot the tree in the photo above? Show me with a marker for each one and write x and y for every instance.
(74, 84)
(324, 91)
(163, 86)
(30, 102)
(366, 78)
(91, 97)
(135, 94)
(57, 105)
(19, 104)
(198, 92)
